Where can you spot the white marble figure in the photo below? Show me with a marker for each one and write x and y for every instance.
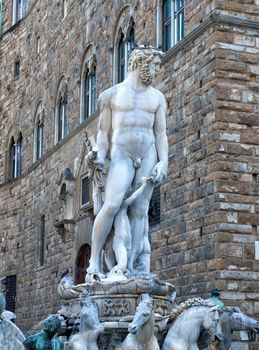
(132, 131)
(185, 331)
(90, 327)
(11, 337)
(141, 329)
(122, 232)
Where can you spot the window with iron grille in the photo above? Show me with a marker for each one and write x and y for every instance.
(42, 240)
(85, 191)
(154, 208)
(10, 292)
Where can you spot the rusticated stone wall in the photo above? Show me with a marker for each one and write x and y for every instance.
(209, 203)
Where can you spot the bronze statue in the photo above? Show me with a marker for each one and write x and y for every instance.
(46, 339)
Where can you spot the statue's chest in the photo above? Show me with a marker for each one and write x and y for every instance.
(141, 101)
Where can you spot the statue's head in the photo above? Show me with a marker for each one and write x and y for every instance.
(2, 302)
(52, 324)
(148, 60)
(215, 292)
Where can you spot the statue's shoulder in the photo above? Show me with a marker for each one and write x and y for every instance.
(106, 96)
(158, 92)
(108, 93)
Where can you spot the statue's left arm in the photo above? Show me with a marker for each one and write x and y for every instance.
(159, 172)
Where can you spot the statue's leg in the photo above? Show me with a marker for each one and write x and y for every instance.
(122, 239)
(139, 211)
(143, 260)
(120, 177)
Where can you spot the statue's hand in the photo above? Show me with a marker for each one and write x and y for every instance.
(159, 172)
(94, 160)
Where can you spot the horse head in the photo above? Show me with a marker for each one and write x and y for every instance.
(211, 322)
(240, 321)
(89, 318)
(142, 314)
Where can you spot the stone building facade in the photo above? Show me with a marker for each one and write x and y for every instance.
(208, 230)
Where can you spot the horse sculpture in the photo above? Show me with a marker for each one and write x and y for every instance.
(232, 319)
(141, 329)
(90, 327)
(190, 317)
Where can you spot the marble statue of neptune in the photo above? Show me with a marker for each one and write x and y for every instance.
(132, 134)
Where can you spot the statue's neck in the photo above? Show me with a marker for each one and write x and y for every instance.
(133, 79)
(145, 333)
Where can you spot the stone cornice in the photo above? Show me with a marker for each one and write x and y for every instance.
(213, 19)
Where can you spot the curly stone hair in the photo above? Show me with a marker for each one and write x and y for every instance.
(141, 57)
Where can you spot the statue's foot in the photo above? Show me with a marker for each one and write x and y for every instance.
(116, 274)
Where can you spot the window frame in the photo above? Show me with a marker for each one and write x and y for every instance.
(15, 157)
(38, 133)
(125, 47)
(175, 21)
(88, 94)
(61, 111)
(19, 11)
(89, 202)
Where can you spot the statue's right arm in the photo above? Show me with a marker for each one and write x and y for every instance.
(104, 127)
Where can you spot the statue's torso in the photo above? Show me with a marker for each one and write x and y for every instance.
(133, 116)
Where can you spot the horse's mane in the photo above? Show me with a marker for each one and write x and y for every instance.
(230, 309)
(188, 304)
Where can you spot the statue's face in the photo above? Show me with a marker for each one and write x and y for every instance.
(154, 66)
(149, 70)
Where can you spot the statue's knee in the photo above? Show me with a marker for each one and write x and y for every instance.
(111, 209)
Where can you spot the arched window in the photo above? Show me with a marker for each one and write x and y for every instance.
(170, 22)
(15, 151)
(12, 159)
(126, 45)
(61, 118)
(90, 93)
(20, 8)
(88, 86)
(124, 42)
(19, 156)
(82, 262)
(38, 138)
